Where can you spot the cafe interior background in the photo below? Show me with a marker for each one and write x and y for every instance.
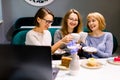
(11, 10)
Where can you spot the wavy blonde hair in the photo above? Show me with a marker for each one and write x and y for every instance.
(99, 17)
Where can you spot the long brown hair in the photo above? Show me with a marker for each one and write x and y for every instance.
(64, 28)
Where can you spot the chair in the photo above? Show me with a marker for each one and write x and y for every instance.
(29, 21)
(115, 44)
(19, 35)
(24, 21)
(19, 38)
(57, 21)
(52, 31)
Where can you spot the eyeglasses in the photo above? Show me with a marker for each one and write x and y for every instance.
(72, 19)
(48, 21)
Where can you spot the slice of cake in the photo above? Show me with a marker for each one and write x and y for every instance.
(65, 61)
(117, 59)
(92, 62)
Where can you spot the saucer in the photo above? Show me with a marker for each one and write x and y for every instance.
(85, 62)
(89, 49)
(61, 67)
(111, 61)
(59, 51)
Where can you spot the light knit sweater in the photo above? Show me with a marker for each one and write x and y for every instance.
(38, 39)
(58, 35)
(104, 45)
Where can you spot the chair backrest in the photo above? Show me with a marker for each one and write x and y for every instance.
(57, 21)
(19, 38)
(20, 35)
(29, 21)
(52, 31)
(24, 21)
(115, 44)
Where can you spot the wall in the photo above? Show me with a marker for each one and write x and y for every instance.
(13, 9)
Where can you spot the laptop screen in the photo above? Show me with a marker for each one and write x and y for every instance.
(18, 62)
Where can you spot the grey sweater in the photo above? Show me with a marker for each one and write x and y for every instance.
(58, 36)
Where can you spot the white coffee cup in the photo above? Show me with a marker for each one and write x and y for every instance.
(76, 36)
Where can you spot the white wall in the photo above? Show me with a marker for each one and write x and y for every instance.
(13, 9)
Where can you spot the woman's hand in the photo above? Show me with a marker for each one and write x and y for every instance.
(67, 38)
(80, 41)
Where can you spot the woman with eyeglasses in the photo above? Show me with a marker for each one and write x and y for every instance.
(39, 35)
(71, 23)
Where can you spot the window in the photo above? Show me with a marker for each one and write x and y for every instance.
(1, 12)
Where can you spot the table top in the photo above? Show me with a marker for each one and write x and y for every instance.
(106, 72)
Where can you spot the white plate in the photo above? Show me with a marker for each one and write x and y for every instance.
(111, 61)
(89, 49)
(61, 67)
(59, 51)
(84, 64)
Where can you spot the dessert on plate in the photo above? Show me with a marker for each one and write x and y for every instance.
(65, 61)
(92, 62)
(114, 60)
(117, 59)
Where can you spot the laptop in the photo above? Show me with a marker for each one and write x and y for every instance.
(20, 62)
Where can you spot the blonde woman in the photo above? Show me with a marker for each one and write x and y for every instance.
(102, 41)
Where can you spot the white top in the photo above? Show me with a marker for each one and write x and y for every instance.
(106, 72)
(38, 39)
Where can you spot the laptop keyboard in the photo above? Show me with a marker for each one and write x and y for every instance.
(54, 72)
